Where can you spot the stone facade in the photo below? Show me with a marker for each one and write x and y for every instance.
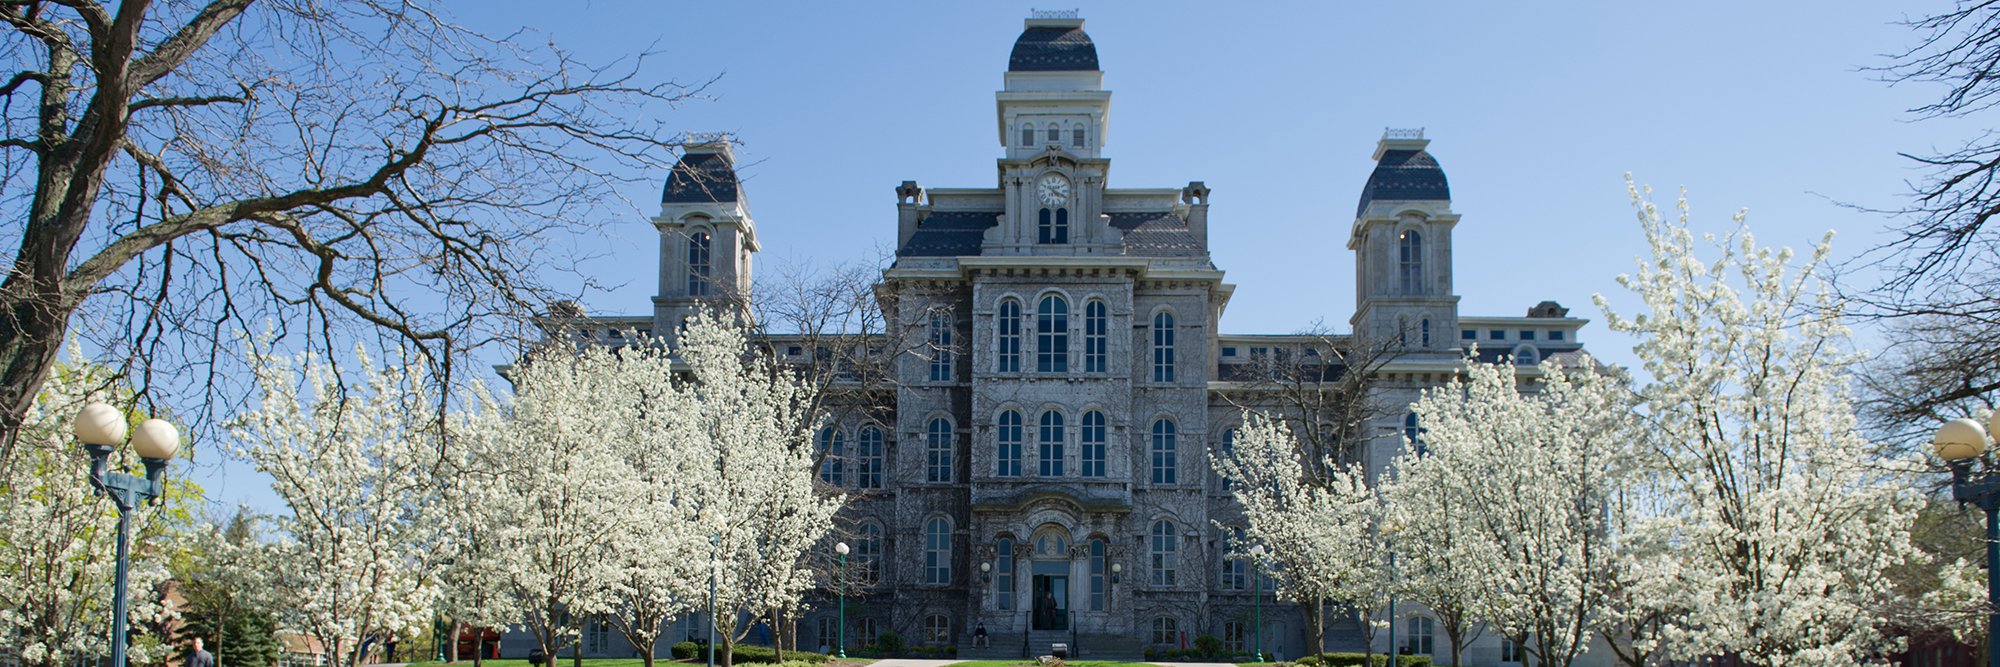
(1039, 465)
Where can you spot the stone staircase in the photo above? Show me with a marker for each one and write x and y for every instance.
(1005, 646)
(1039, 642)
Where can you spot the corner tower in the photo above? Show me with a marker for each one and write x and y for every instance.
(1401, 240)
(706, 236)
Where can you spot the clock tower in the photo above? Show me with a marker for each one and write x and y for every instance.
(1052, 116)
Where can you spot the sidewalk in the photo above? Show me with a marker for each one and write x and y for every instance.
(908, 662)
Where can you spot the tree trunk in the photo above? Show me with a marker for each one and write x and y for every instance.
(31, 336)
(777, 638)
(478, 645)
(449, 643)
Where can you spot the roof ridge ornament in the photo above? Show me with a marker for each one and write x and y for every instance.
(1054, 13)
(1402, 133)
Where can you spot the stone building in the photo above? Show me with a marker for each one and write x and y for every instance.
(1039, 463)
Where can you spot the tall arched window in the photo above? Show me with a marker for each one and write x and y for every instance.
(1052, 226)
(1096, 336)
(832, 446)
(700, 267)
(937, 551)
(1028, 134)
(1076, 136)
(1410, 267)
(1414, 432)
(1092, 442)
(869, 457)
(1166, 455)
(1051, 444)
(1235, 569)
(937, 451)
(941, 352)
(1165, 553)
(1052, 335)
(1163, 347)
(1426, 329)
(1003, 574)
(1228, 454)
(1099, 554)
(1007, 435)
(868, 554)
(1008, 359)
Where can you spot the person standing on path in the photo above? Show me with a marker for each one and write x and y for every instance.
(199, 658)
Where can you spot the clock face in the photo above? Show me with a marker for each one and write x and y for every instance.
(1054, 189)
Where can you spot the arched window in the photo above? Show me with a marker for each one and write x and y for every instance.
(937, 451)
(941, 352)
(1096, 336)
(1052, 226)
(1093, 443)
(829, 634)
(1166, 631)
(832, 448)
(1235, 569)
(1007, 435)
(1076, 136)
(868, 554)
(937, 629)
(1008, 360)
(869, 459)
(1166, 456)
(1414, 433)
(1052, 335)
(1164, 552)
(1055, 134)
(1228, 454)
(1027, 134)
(1425, 327)
(1527, 355)
(699, 266)
(1099, 554)
(1163, 347)
(1051, 441)
(937, 551)
(1410, 267)
(1003, 574)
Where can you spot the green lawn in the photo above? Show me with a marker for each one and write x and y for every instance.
(1031, 663)
(635, 662)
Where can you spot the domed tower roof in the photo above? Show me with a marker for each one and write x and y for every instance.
(705, 174)
(1404, 171)
(1053, 42)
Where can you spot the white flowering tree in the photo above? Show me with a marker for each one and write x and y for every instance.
(1441, 562)
(1317, 529)
(1534, 472)
(1781, 519)
(58, 536)
(355, 464)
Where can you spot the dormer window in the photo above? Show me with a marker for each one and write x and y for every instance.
(1052, 227)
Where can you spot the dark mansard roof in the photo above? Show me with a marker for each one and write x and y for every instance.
(701, 178)
(1053, 49)
(961, 234)
(1411, 175)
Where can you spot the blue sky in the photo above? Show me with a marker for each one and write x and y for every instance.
(1536, 115)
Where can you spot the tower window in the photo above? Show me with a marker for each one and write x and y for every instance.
(1096, 330)
(1007, 438)
(1076, 136)
(1163, 347)
(1426, 332)
(1055, 134)
(941, 352)
(1093, 442)
(1053, 227)
(1028, 134)
(1410, 268)
(1008, 358)
(699, 266)
(1527, 334)
(1166, 453)
(1052, 335)
(937, 451)
(1051, 451)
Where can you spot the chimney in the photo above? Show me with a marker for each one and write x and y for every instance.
(1195, 197)
(908, 196)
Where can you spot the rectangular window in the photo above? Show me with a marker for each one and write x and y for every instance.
(1003, 575)
(937, 451)
(1234, 575)
(1007, 438)
(1051, 450)
(1092, 437)
(1527, 334)
(1009, 358)
(1076, 136)
(1096, 337)
(1097, 558)
(1228, 351)
(941, 351)
(1468, 334)
(794, 350)
(870, 456)
(1496, 334)
(1163, 347)
(1232, 636)
(1555, 335)
(1055, 134)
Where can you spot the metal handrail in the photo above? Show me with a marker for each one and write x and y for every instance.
(1075, 652)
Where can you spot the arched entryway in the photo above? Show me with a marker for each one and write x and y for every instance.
(1050, 578)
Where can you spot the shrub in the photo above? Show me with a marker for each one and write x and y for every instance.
(1307, 661)
(1381, 660)
(1208, 646)
(890, 643)
(686, 650)
(766, 654)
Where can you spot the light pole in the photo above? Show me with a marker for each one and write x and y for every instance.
(1387, 530)
(1959, 442)
(1257, 584)
(841, 548)
(101, 428)
(714, 546)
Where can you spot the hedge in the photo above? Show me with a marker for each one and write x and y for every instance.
(746, 653)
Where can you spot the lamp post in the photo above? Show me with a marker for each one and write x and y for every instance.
(1257, 584)
(1388, 530)
(841, 548)
(1959, 442)
(714, 545)
(101, 428)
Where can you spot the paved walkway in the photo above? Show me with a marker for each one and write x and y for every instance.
(1195, 664)
(908, 662)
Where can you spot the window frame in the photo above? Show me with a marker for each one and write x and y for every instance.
(1093, 444)
(1052, 334)
(1410, 262)
(868, 454)
(1007, 336)
(1163, 347)
(1096, 336)
(943, 361)
(938, 447)
(832, 444)
(1051, 434)
(700, 263)
(1164, 452)
(937, 551)
(1163, 553)
(1009, 434)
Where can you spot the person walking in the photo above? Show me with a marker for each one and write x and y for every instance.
(199, 658)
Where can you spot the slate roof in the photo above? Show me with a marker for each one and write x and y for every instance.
(701, 178)
(1156, 234)
(949, 234)
(1050, 49)
(1411, 175)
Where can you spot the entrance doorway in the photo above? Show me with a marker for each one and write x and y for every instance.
(1051, 611)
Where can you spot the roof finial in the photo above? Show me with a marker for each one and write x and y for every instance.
(1402, 133)
(1054, 13)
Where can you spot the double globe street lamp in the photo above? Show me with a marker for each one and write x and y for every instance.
(1959, 442)
(101, 428)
